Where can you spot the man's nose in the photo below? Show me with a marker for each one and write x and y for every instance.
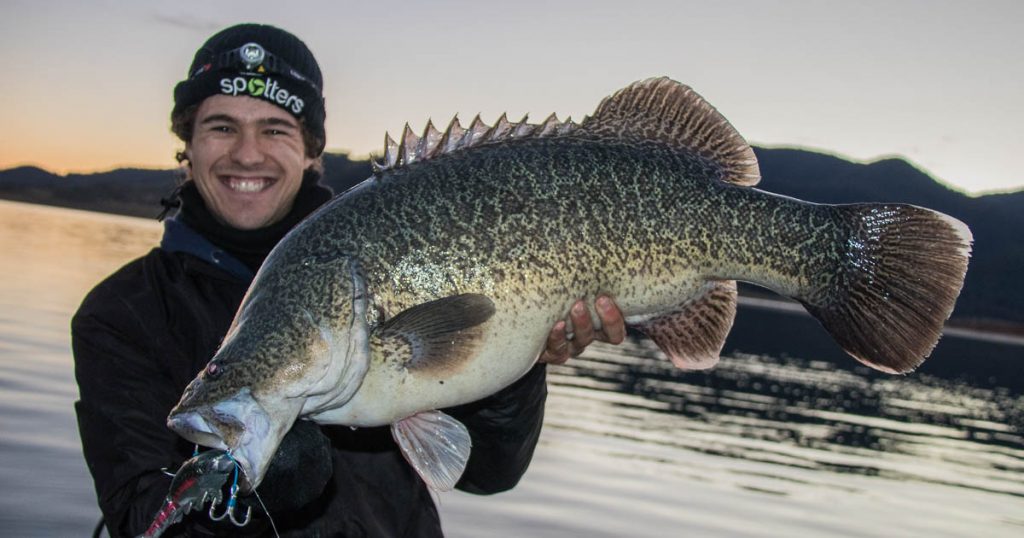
(247, 149)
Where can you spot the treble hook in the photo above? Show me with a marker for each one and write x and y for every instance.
(229, 512)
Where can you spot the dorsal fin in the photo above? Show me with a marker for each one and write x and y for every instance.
(390, 158)
(452, 136)
(549, 126)
(523, 129)
(475, 133)
(411, 148)
(428, 142)
(659, 109)
(407, 147)
(664, 110)
(501, 129)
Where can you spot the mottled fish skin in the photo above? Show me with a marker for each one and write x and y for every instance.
(654, 225)
(646, 221)
(511, 230)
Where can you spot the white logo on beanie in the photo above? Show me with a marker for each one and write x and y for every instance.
(266, 88)
(251, 54)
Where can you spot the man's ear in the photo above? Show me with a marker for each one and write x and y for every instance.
(314, 165)
(185, 161)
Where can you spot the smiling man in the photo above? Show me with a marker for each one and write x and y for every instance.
(247, 159)
(251, 116)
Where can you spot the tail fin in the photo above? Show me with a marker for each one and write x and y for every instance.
(895, 283)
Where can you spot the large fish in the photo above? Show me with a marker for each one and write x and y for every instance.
(435, 282)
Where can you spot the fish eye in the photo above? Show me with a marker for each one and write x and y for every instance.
(213, 370)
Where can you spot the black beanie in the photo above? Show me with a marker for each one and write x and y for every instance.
(259, 61)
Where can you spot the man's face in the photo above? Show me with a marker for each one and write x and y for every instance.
(247, 160)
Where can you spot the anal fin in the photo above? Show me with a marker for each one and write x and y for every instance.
(436, 445)
(693, 335)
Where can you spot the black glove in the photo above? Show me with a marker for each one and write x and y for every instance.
(505, 428)
(298, 473)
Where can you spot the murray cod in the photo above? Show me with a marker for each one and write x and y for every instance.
(436, 281)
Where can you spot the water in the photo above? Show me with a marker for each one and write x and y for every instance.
(780, 445)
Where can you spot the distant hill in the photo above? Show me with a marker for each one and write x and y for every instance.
(125, 191)
(132, 191)
(993, 294)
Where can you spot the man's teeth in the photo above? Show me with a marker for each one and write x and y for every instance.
(248, 184)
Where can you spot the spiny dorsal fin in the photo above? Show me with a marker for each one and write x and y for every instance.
(658, 109)
(432, 143)
(452, 136)
(501, 129)
(407, 147)
(429, 141)
(390, 158)
(523, 129)
(664, 110)
(549, 127)
(475, 133)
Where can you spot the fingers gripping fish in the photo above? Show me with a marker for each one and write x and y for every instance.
(435, 282)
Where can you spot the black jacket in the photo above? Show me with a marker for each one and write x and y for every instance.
(142, 334)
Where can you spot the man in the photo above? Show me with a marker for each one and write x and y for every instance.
(251, 115)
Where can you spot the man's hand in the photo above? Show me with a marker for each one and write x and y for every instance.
(561, 346)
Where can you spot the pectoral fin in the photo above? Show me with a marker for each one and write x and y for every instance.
(436, 445)
(693, 335)
(438, 337)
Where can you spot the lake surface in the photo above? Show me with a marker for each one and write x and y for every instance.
(769, 443)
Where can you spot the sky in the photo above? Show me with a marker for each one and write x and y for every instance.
(86, 85)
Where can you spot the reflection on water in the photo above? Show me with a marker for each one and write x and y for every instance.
(57, 255)
(49, 259)
(760, 446)
(804, 414)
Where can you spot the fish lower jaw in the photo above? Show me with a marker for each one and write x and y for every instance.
(246, 450)
(195, 428)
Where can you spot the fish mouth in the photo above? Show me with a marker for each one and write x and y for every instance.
(193, 426)
(238, 425)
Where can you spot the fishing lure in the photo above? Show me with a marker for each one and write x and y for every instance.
(198, 480)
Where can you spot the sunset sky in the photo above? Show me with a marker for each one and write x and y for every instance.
(86, 85)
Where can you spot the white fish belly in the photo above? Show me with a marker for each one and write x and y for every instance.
(513, 340)
(391, 392)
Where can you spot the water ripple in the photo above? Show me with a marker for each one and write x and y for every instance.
(794, 413)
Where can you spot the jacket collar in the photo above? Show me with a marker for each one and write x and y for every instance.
(178, 237)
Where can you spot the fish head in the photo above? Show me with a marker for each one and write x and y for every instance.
(239, 423)
(290, 351)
